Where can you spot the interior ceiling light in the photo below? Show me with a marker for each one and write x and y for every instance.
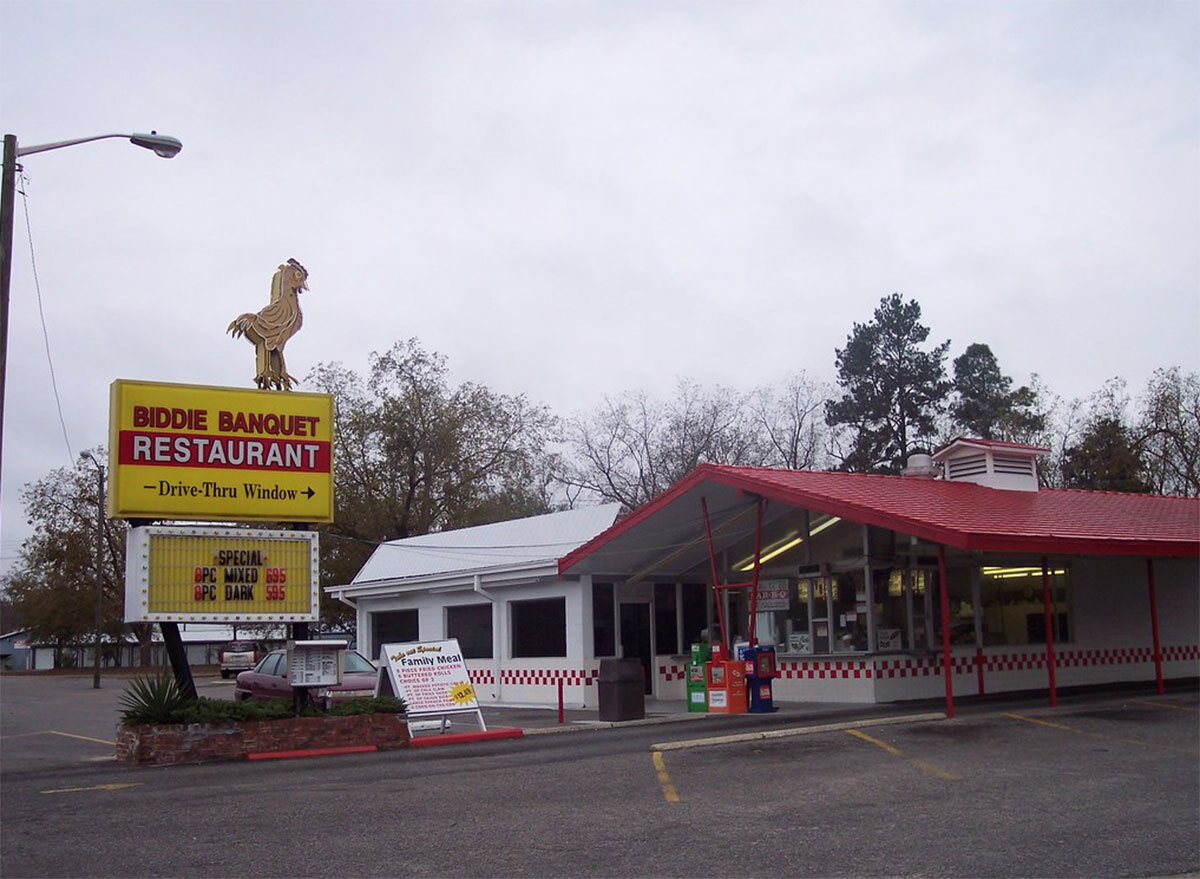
(1017, 573)
(780, 548)
(784, 545)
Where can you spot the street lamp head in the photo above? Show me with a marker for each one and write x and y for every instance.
(164, 146)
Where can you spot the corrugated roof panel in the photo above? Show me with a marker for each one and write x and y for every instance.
(512, 543)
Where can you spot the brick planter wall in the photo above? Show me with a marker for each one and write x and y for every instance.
(198, 742)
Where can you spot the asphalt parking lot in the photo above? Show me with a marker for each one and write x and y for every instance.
(1103, 785)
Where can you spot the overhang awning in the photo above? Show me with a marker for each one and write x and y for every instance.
(668, 531)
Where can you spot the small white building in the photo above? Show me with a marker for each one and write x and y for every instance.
(962, 577)
(496, 588)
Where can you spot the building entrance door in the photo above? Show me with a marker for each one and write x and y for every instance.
(635, 639)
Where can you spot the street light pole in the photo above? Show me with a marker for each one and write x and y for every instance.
(161, 144)
(99, 564)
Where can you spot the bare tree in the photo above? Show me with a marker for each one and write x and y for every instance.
(792, 422)
(633, 447)
(1168, 432)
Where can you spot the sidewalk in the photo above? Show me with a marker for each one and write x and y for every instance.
(535, 720)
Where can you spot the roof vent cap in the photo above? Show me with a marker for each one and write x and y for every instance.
(921, 466)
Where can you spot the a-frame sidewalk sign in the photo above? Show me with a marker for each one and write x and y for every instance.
(432, 678)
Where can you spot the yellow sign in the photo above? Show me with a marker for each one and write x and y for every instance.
(219, 454)
(220, 574)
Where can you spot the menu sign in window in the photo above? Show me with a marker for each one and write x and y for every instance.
(431, 676)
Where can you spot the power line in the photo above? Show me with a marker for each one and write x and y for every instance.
(37, 286)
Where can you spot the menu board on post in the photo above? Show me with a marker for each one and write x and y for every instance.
(431, 677)
(315, 663)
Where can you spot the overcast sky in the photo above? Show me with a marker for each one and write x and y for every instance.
(571, 200)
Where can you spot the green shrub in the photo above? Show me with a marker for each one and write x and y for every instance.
(151, 700)
(158, 700)
(369, 705)
(205, 710)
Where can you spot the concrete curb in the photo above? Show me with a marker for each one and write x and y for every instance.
(738, 738)
(584, 726)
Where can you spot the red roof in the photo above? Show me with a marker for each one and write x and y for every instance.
(994, 445)
(956, 514)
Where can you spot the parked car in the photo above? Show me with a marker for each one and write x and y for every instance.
(239, 656)
(269, 679)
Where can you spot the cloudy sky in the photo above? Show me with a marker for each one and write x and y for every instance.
(575, 199)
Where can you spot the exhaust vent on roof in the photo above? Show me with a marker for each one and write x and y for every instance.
(921, 466)
(1011, 466)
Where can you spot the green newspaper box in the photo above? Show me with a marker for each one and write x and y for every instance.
(697, 686)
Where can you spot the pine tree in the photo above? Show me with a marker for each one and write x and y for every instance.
(893, 389)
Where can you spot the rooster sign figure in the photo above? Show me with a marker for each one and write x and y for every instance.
(269, 329)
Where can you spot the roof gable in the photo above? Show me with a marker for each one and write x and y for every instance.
(512, 543)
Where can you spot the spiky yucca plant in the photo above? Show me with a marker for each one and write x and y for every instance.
(151, 700)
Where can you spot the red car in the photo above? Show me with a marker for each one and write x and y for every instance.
(269, 679)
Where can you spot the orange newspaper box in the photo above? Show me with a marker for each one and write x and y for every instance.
(726, 687)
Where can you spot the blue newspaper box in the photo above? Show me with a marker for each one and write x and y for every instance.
(760, 671)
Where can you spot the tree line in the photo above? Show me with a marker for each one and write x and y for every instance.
(416, 453)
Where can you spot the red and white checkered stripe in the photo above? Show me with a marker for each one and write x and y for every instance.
(672, 672)
(1181, 653)
(820, 669)
(992, 662)
(548, 677)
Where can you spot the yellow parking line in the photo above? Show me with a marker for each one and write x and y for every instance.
(1166, 705)
(664, 780)
(1092, 735)
(896, 752)
(75, 790)
(55, 732)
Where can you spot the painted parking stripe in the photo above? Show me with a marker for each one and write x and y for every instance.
(76, 790)
(896, 752)
(1093, 735)
(664, 780)
(1166, 705)
(55, 732)
(742, 738)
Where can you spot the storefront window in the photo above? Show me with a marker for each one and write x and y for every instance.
(918, 586)
(1013, 607)
(471, 624)
(539, 627)
(891, 610)
(604, 635)
(394, 627)
(695, 614)
(665, 634)
(849, 612)
(961, 611)
(821, 629)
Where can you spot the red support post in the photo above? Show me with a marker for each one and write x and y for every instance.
(757, 564)
(1049, 612)
(561, 719)
(1158, 674)
(947, 669)
(712, 561)
(979, 668)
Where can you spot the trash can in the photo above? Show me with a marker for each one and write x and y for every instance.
(622, 690)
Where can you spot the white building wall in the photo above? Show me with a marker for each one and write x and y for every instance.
(1111, 642)
(502, 678)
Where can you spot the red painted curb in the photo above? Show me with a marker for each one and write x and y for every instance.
(310, 752)
(458, 738)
